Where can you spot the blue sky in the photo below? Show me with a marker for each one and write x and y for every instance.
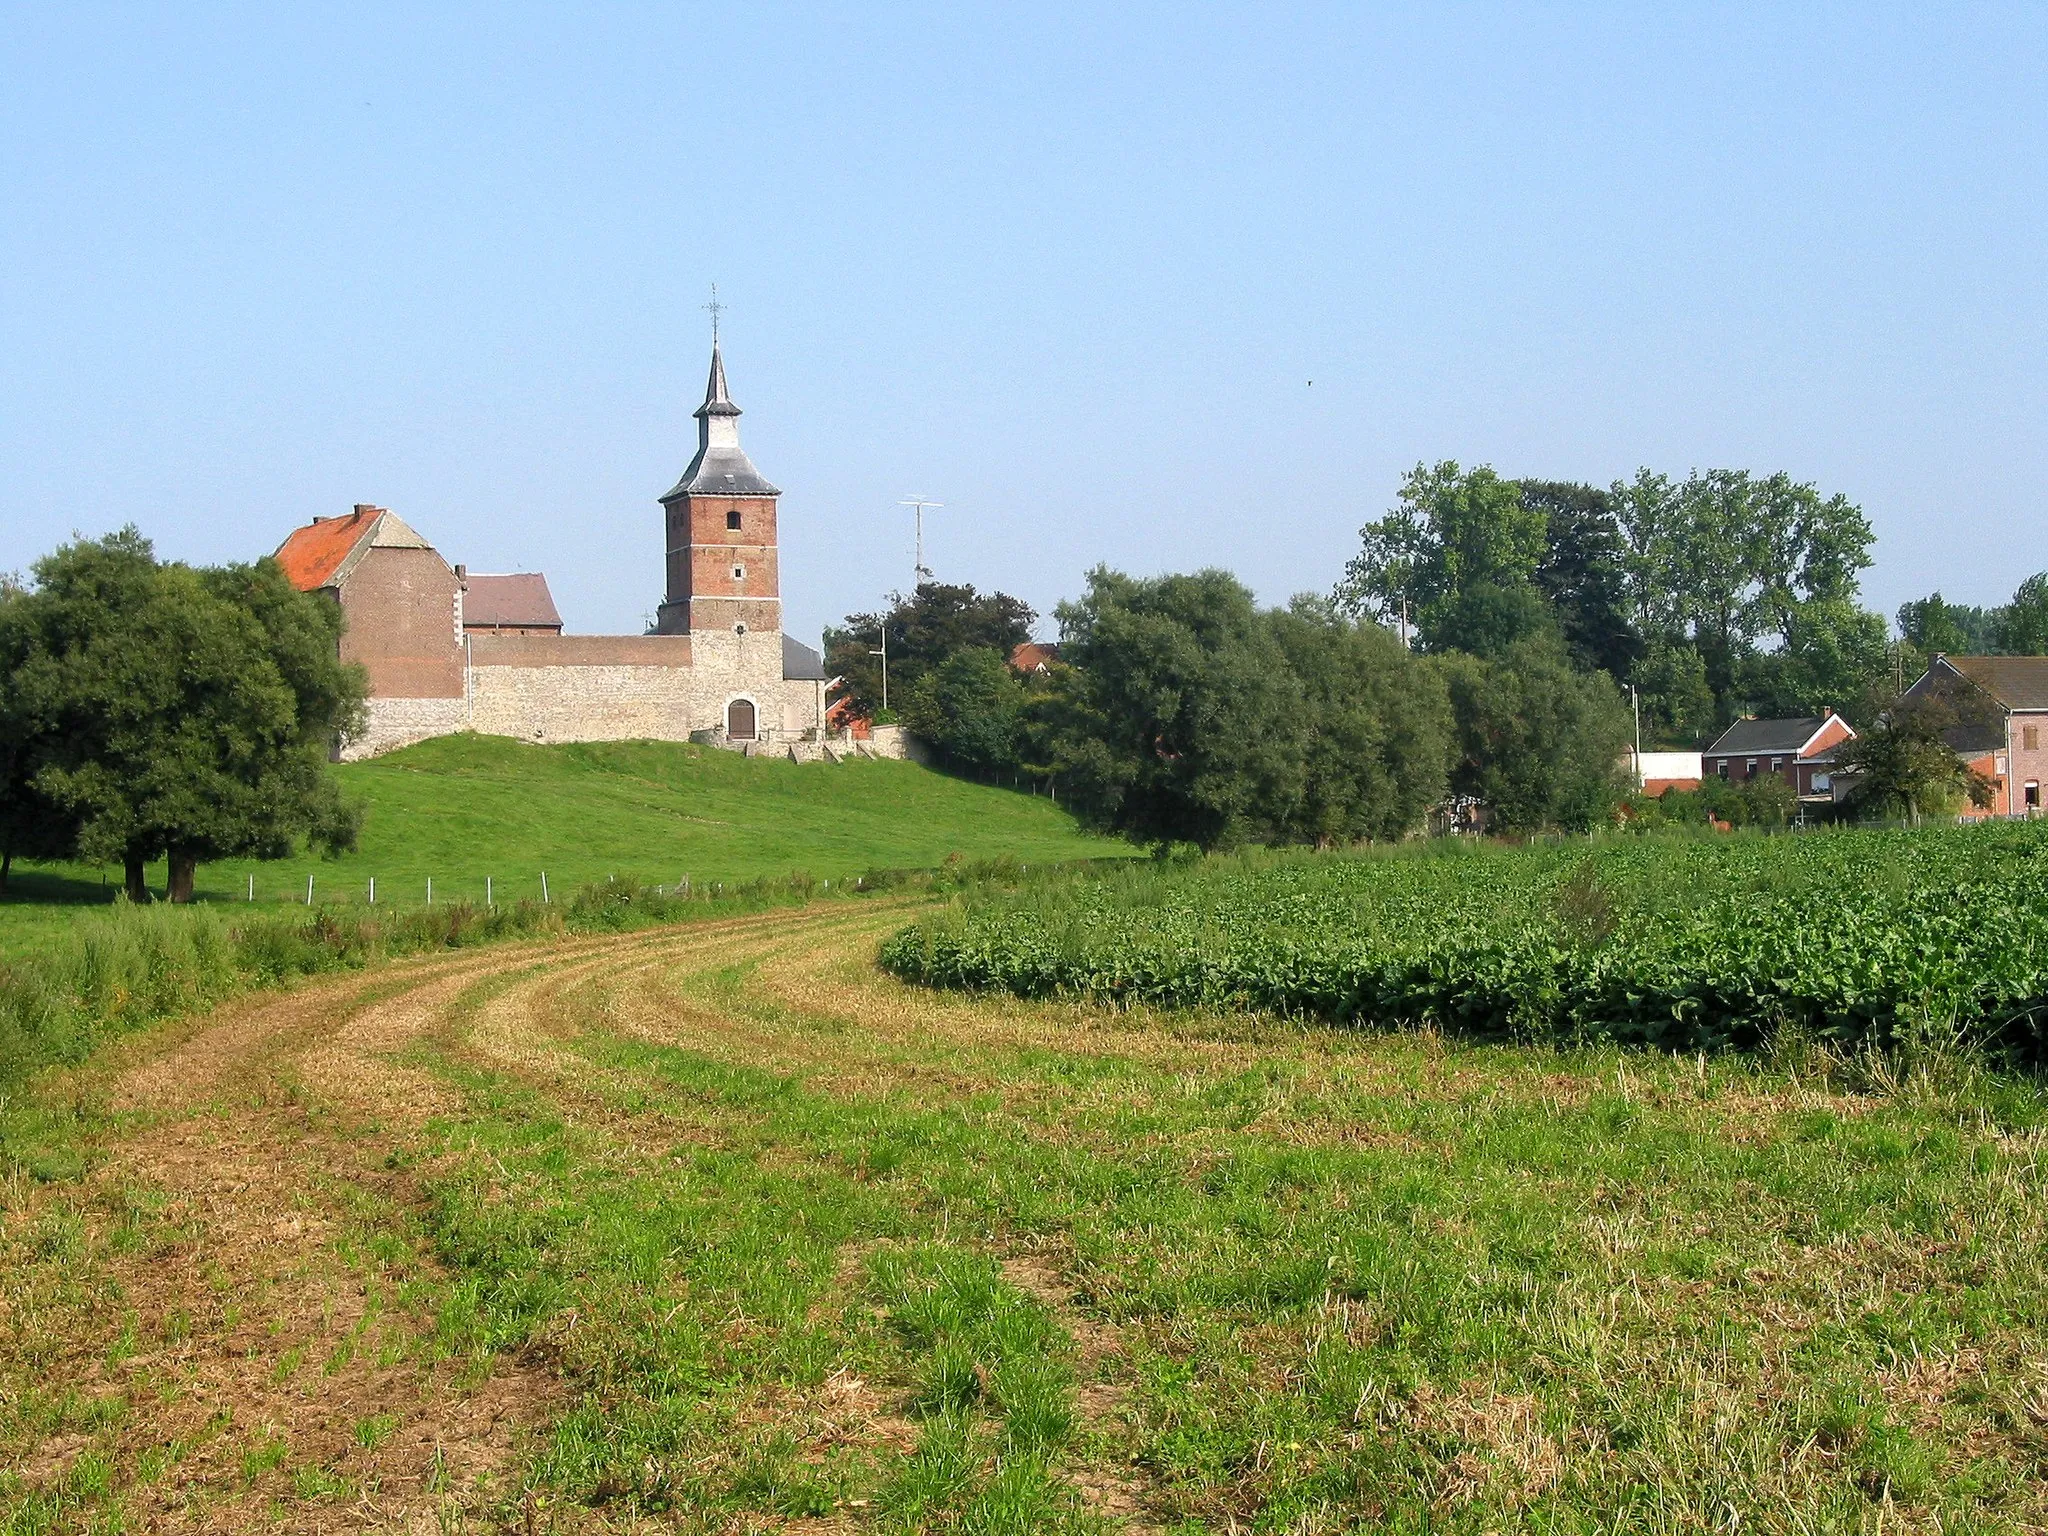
(1070, 271)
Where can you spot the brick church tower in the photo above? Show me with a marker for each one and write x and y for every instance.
(720, 522)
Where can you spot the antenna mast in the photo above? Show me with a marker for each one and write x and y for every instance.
(922, 504)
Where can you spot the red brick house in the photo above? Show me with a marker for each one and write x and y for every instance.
(2005, 737)
(1801, 751)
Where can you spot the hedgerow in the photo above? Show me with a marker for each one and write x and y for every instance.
(1852, 937)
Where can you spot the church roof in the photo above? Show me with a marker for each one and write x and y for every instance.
(721, 467)
(322, 553)
(800, 663)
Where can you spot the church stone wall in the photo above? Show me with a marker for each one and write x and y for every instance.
(556, 688)
(393, 723)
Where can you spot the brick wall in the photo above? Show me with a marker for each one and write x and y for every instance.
(400, 605)
(2026, 762)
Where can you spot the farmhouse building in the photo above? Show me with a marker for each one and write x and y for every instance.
(1800, 751)
(446, 651)
(2002, 730)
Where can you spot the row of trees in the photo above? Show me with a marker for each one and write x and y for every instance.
(152, 710)
(1721, 594)
(1181, 711)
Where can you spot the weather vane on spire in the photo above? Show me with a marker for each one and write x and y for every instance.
(716, 309)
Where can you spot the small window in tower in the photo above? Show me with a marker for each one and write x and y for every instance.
(739, 573)
(732, 519)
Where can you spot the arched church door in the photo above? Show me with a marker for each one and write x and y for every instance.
(739, 720)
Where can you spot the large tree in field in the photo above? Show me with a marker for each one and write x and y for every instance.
(936, 621)
(1725, 558)
(1178, 719)
(184, 714)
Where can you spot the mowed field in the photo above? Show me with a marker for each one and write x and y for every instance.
(463, 808)
(719, 1227)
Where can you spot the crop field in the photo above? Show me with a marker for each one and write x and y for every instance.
(720, 1227)
(1888, 939)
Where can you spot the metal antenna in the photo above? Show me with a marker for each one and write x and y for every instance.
(716, 309)
(922, 503)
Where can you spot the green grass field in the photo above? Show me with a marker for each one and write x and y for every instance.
(461, 808)
(717, 1228)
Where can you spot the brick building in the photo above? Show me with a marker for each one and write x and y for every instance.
(2002, 729)
(446, 651)
(1800, 750)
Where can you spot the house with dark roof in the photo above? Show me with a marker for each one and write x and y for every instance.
(2002, 733)
(1801, 751)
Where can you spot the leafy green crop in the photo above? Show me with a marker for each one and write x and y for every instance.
(1700, 944)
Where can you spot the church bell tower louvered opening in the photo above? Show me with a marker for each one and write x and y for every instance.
(720, 526)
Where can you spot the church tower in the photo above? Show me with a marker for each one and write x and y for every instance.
(720, 522)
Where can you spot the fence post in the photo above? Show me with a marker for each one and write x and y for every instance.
(543, 887)
(487, 892)
(373, 890)
(430, 890)
(252, 887)
(309, 890)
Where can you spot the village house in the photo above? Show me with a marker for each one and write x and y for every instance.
(1800, 751)
(2002, 733)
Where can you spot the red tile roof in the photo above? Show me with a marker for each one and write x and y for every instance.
(313, 554)
(1033, 654)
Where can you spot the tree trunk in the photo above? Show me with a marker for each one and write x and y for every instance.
(178, 883)
(6, 863)
(132, 879)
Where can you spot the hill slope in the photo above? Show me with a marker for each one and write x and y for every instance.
(462, 807)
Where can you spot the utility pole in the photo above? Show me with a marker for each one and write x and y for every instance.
(1635, 707)
(921, 503)
(884, 654)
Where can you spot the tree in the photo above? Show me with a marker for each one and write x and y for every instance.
(32, 826)
(970, 708)
(1378, 729)
(1725, 558)
(1677, 703)
(936, 621)
(1178, 719)
(1836, 656)
(1450, 529)
(185, 714)
(1484, 619)
(1934, 625)
(1538, 743)
(1583, 574)
(2023, 623)
(1906, 763)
